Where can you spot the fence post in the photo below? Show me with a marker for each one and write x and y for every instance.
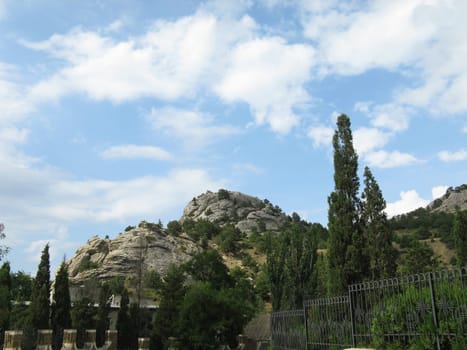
(352, 317)
(434, 308)
(305, 314)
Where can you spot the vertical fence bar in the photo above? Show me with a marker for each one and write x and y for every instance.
(434, 307)
(352, 317)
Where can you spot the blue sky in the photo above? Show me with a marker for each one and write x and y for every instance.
(113, 112)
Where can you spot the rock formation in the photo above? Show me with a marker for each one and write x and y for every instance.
(454, 199)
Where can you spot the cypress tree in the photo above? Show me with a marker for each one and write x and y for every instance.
(102, 319)
(5, 299)
(124, 322)
(459, 231)
(378, 234)
(346, 244)
(61, 306)
(40, 303)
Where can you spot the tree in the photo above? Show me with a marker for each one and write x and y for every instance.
(208, 266)
(292, 265)
(5, 299)
(172, 291)
(382, 255)
(459, 232)
(346, 256)
(102, 317)
(3, 249)
(123, 322)
(40, 304)
(82, 317)
(61, 306)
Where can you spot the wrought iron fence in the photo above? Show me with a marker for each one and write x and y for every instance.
(422, 311)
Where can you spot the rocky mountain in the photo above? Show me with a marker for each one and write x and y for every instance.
(149, 247)
(247, 213)
(454, 199)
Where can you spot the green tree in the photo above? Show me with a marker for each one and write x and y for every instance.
(174, 227)
(3, 249)
(82, 318)
(418, 258)
(172, 291)
(346, 253)
(61, 306)
(40, 302)
(21, 286)
(208, 266)
(382, 255)
(459, 232)
(123, 322)
(102, 316)
(5, 299)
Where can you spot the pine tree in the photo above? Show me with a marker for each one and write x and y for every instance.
(40, 303)
(102, 319)
(346, 256)
(61, 306)
(459, 231)
(123, 322)
(5, 299)
(378, 234)
(3, 249)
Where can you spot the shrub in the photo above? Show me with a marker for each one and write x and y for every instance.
(223, 194)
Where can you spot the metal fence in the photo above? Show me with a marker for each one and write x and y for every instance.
(422, 311)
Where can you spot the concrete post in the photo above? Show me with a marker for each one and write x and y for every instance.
(90, 339)
(44, 339)
(111, 339)
(13, 340)
(143, 343)
(69, 339)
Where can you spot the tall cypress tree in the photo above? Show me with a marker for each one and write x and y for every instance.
(459, 231)
(378, 234)
(5, 299)
(102, 319)
(124, 322)
(61, 306)
(346, 243)
(40, 303)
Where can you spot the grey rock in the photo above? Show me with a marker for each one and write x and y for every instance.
(454, 199)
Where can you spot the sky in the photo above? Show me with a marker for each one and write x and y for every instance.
(113, 112)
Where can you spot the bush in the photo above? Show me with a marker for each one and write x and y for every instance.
(174, 227)
(223, 194)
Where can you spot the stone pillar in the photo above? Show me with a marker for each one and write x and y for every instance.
(12, 340)
(90, 339)
(44, 339)
(143, 343)
(111, 339)
(69, 339)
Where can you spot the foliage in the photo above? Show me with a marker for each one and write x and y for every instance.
(124, 322)
(82, 318)
(87, 264)
(174, 228)
(61, 306)
(229, 239)
(129, 228)
(21, 286)
(40, 307)
(346, 253)
(223, 194)
(208, 266)
(419, 257)
(291, 265)
(459, 232)
(3, 249)
(380, 252)
(103, 311)
(5, 298)
(200, 229)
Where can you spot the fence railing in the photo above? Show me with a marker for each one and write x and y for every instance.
(423, 311)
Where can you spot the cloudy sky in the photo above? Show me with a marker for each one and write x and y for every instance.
(113, 112)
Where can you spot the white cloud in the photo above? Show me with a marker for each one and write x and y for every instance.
(2, 8)
(321, 135)
(409, 200)
(136, 151)
(367, 139)
(384, 159)
(192, 127)
(391, 116)
(438, 191)
(247, 168)
(447, 156)
(464, 129)
(269, 75)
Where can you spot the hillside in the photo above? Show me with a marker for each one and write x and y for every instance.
(454, 199)
(151, 247)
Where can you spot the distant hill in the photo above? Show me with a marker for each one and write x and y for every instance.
(454, 199)
(151, 247)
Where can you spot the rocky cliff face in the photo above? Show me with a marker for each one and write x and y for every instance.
(247, 213)
(146, 246)
(454, 199)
